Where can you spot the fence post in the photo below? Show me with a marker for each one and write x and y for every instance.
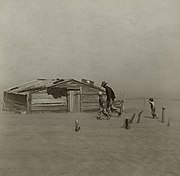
(132, 118)
(163, 109)
(127, 123)
(139, 117)
(168, 124)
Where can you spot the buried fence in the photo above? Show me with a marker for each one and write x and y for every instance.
(142, 103)
(166, 108)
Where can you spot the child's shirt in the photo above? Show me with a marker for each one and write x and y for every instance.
(152, 104)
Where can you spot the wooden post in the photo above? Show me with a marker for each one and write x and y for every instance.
(139, 117)
(29, 98)
(163, 109)
(168, 122)
(127, 123)
(68, 101)
(132, 118)
(81, 92)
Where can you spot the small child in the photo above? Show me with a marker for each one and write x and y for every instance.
(77, 126)
(153, 108)
(102, 109)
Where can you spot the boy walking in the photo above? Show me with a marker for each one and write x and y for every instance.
(102, 109)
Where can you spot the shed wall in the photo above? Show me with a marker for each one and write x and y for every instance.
(14, 102)
(88, 95)
(89, 99)
(41, 101)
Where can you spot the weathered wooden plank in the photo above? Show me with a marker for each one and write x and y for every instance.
(8, 101)
(48, 105)
(15, 98)
(53, 108)
(20, 106)
(90, 109)
(88, 89)
(90, 93)
(91, 103)
(90, 97)
(90, 100)
(48, 101)
(90, 106)
(15, 107)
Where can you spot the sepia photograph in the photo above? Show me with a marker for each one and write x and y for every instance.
(89, 88)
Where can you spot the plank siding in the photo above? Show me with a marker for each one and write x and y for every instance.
(15, 107)
(15, 102)
(89, 99)
(49, 108)
(48, 101)
(41, 101)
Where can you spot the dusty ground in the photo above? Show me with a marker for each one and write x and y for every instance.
(46, 145)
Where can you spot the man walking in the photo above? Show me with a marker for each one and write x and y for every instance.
(110, 99)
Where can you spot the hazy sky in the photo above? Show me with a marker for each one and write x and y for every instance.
(134, 45)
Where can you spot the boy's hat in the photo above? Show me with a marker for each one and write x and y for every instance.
(103, 83)
(100, 93)
(76, 121)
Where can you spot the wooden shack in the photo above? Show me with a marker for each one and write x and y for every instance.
(59, 95)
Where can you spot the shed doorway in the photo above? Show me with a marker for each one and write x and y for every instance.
(74, 101)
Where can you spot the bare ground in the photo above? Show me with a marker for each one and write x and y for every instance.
(47, 145)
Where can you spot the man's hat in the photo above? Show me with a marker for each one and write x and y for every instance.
(103, 83)
(151, 99)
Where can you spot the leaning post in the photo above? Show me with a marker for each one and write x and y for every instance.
(163, 109)
(168, 124)
(127, 123)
